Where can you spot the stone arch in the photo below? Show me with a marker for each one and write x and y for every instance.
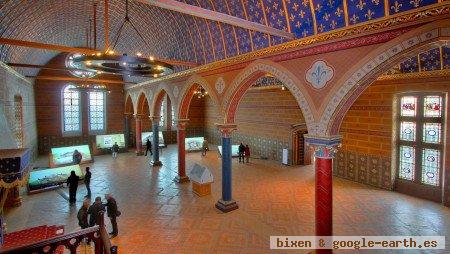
(251, 73)
(142, 104)
(129, 107)
(188, 92)
(367, 70)
(158, 96)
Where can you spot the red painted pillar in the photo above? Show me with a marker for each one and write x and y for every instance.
(324, 196)
(139, 136)
(181, 135)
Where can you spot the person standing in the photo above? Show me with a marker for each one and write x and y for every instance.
(148, 147)
(94, 211)
(87, 182)
(115, 150)
(72, 183)
(83, 214)
(247, 153)
(112, 212)
(76, 157)
(204, 147)
(241, 153)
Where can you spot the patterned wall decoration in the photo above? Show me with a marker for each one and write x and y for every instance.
(362, 168)
(430, 60)
(183, 37)
(410, 65)
(437, 58)
(319, 74)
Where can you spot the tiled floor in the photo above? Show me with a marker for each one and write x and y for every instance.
(160, 216)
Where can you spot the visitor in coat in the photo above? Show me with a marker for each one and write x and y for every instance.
(83, 214)
(247, 153)
(76, 157)
(87, 182)
(115, 150)
(204, 147)
(113, 213)
(148, 147)
(241, 153)
(94, 211)
(72, 183)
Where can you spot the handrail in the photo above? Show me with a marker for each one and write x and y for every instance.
(70, 241)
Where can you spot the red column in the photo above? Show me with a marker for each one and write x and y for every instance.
(139, 136)
(324, 196)
(181, 135)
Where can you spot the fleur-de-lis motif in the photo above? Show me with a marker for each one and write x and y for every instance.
(415, 3)
(361, 4)
(330, 3)
(320, 28)
(396, 7)
(369, 14)
(305, 33)
(301, 13)
(333, 24)
(298, 24)
(326, 17)
(295, 7)
(354, 19)
(305, 2)
(318, 8)
(339, 12)
(292, 17)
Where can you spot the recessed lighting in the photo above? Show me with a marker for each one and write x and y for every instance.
(99, 54)
(151, 58)
(139, 54)
(155, 75)
(124, 63)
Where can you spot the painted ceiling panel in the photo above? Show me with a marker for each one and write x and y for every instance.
(430, 60)
(434, 59)
(180, 36)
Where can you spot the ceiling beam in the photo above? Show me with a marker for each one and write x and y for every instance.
(45, 67)
(216, 16)
(80, 80)
(87, 51)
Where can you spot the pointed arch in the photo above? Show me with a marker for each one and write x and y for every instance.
(158, 96)
(129, 107)
(367, 70)
(189, 88)
(251, 73)
(142, 105)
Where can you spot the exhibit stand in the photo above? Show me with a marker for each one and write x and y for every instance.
(61, 156)
(201, 178)
(51, 178)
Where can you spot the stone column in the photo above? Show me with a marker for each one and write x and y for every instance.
(126, 123)
(181, 135)
(155, 145)
(139, 135)
(324, 150)
(226, 203)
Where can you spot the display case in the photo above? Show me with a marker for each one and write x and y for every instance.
(201, 178)
(61, 156)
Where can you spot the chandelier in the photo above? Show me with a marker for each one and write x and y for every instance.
(90, 88)
(200, 92)
(122, 64)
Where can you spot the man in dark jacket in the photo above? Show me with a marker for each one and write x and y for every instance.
(241, 152)
(115, 150)
(72, 183)
(148, 147)
(112, 213)
(94, 211)
(87, 182)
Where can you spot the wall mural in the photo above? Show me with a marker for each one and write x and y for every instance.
(319, 74)
(220, 85)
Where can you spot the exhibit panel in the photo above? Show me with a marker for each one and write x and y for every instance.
(107, 141)
(234, 150)
(60, 156)
(193, 144)
(50, 178)
(149, 135)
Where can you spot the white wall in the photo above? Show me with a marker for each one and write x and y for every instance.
(11, 84)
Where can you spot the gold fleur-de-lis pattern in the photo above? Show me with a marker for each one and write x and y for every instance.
(364, 10)
(434, 59)
(328, 15)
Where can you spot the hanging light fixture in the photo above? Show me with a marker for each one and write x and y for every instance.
(111, 62)
(200, 92)
(90, 88)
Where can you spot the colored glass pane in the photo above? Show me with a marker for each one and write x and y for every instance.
(71, 110)
(408, 106)
(432, 106)
(408, 131)
(96, 111)
(430, 166)
(407, 163)
(432, 133)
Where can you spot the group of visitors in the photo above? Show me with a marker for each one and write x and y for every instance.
(93, 212)
(244, 153)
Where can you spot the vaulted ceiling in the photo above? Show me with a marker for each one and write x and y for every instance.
(174, 35)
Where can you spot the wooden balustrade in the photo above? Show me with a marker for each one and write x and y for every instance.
(96, 234)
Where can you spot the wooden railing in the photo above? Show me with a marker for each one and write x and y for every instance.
(96, 234)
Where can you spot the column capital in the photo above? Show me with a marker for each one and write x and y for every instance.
(155, 118)
(182, 123)
(137, 116)
(226, 129)
(324, 146)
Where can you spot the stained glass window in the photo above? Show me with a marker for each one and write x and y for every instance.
(71, 110)
(430, 166)
(432, 133)
(409, 106)
(96, 111)
(162, 114)
(407, 162)
(408, 131)
(432, 106)
(173, 117)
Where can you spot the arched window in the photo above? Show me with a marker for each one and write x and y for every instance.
(162, 113)
(18, 120)
(71, 111)
(173, 118)
(97, 112)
